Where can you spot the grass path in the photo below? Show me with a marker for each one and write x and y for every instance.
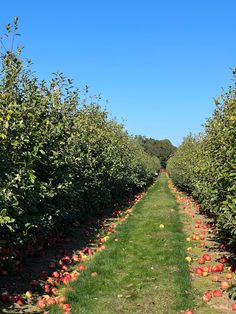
(145, 270)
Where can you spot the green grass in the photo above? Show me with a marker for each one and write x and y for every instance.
(145, 271)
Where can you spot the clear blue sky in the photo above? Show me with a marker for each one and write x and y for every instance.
(160, 63)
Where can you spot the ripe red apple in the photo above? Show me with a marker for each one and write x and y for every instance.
(223, 259)
(210, 268)
(233, 306)
(55, 274)
(66, 307)
(207, 257)
(46, 288)
(229, 275)
(214, 269)
(51, 301)
(50, 280)
(64, 260)
(215, 278)
(66, 279)
(220, 267)
(217, 293)
(76, 258)
(199, 271)
(201, 244)
(224, 284)
(205, 298)
(188, 312)
(81, 267)
(54, 290)
(208, 294)
(205, 268)
(202, 237)
(201, 260)
(64, 267)
(41, 303)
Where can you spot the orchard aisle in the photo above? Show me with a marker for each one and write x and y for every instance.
(143, 268)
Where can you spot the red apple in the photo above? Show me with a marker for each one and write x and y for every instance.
(51, 301)
(199, 271)
(229, 275)
(66, 307)
(207, 257)
(208, 294)
(224, 284)
(201, 244)
(223, 260)
(66, 279)
(201, 260)
(55, 274)
(220, 267)
(41, 304)
(217, 293)
(215, 278)
(214, 269)
(209, 268)
(81, 267)
(46, 288)
(233, 306)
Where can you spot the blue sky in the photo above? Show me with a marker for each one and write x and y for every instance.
(159, 63)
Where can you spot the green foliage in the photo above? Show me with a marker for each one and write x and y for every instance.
(59, 156)
(162, 149)
(181, 164)
(206, 167)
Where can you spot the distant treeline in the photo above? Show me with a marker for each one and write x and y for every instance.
(162, 149)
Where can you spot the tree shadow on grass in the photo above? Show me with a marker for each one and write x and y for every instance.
(35, 269)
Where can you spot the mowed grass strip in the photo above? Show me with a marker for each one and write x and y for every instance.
(145, 270)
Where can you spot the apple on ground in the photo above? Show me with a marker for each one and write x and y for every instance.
(233, 306)
(229, 275)
(215, 278)
(217, 293)
(224, 284)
